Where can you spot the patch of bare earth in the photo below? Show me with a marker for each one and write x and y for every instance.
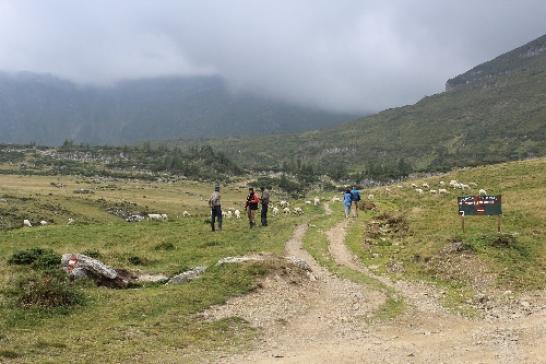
(427, 333)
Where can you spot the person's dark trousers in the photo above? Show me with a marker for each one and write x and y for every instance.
(216, 213)
(264, 214)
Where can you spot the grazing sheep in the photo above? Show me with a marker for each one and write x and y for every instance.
(186, 214)
(482, 192)
(237, 214)
(442, 191)
(336, 199)
(284, 203)
(70, 221)
(425, 185)
(370, 197)
(316, 201)
(453, 183)
(419, 191)
(27, 223)
(433, 191)
(224, 214)
(275, 211)
(387, 189)
(308, 202)
(229, 214)
(400, 186)
(473, 184)
(164, 216)
(298, 211)
(413, 185)
(158, 217)
(286, 211)
(442, 183)
(43, 223)
(464, 187)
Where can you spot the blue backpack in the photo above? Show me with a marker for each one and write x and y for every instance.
(356, 195)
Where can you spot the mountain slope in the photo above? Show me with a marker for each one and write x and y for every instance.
(48, 110)
(493, 113)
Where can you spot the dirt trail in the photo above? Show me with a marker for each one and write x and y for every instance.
(323, 321)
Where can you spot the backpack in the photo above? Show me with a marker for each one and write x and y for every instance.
(356, 195)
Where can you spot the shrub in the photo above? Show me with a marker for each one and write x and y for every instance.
(45, 290)
(37, 257)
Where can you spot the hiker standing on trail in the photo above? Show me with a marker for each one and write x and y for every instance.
(251, 206)
(215, 208)
(356, 198)
(265, 204)
(347, 201)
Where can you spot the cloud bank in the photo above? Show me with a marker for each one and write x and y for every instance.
(347, 55)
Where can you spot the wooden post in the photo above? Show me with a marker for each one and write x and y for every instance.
(498, 224)
(462, 222)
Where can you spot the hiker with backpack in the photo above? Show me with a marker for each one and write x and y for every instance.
(252, 201)
(347, 201)
(215, 208)
(356, 198)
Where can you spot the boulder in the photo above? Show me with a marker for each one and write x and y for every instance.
(187, 276)
(300, 263)
(79, 266)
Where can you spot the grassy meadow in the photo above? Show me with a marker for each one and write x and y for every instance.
(118, 325)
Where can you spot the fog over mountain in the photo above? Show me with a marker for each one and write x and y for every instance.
(351, 56)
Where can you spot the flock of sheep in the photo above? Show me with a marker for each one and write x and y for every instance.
(442, 187)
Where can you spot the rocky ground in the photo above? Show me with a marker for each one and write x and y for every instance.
(323, 320)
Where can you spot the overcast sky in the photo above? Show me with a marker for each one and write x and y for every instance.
(347, 55)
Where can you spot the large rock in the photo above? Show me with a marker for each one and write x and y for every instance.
(79, 266)
(238, 260)
(300, 263)
(187, 275)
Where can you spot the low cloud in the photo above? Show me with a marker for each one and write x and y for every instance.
(343, 55)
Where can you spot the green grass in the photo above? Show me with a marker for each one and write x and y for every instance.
(433, 223)
(138, 324)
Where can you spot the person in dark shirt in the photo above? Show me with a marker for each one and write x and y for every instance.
(215, 208)
(265, 204)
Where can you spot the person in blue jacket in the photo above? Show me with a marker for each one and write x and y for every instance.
(356, 198)
(347, 201)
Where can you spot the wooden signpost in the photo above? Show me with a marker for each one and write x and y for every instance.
(480, 205)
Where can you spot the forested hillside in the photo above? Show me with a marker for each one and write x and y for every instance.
(495, 112)
(47, 110)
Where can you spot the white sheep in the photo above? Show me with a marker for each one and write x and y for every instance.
(336, 199)
(433, 191)
(186, 214)
(224, 214)
(473, 184)
(298, 211)
(399, 186)
(442, 191)
(157, 217)
(286, 211)
(464, 187)
(237, 214)
(419, 191)
(482, 192)
(165, 217)
(316, 201)
(413, 185)
(275, 211)
(284, 203)
(27, 223)
(387, 189)
(229, 214)
(307, 202)
(442, 183)
(370, 197)
(453, 183)
(70, 221)
(425, 185)
(43, 222)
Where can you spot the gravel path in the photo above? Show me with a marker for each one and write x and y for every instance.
(322, 321)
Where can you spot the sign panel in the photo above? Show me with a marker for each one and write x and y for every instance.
(479, 205)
